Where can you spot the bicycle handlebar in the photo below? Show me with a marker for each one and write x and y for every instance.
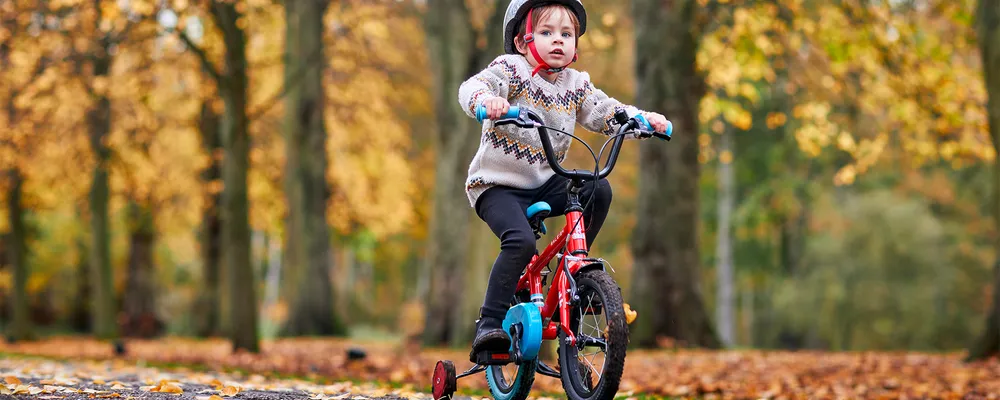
(513, 112)
(528, 119)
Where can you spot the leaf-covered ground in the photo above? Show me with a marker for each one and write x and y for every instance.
(401, 371)
(32, 378)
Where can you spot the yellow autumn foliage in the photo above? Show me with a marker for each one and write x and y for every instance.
(892, 65)
(156, 87)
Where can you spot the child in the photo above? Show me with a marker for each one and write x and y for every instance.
(509, 172)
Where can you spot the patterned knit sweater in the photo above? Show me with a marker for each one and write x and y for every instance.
(513, 156)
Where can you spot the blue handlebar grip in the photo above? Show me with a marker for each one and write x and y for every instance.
(645, 124)
(666, 132)
(513, 112)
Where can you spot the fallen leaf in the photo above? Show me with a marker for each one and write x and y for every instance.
(58, 381)
(230, 391)
(167, 387)
(12, 380)
(629, 314)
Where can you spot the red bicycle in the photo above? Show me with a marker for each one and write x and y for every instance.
(583, 307)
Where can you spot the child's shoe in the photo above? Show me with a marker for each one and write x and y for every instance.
(490, 337)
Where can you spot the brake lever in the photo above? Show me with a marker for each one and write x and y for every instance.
(648, 134)
(514, 116)
(521, 121)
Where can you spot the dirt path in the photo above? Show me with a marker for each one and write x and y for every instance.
(36, 378)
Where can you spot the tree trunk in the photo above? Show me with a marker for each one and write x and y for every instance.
(206, 314)
(102, 282)
(724, 313)
(140, 286)
(81, 315)
(452, 48)
(747, 317)
(665, 240)
(483, 259)
(272, 261)
(308, 252)
(17, 251)
(988, 19)
(242, 305)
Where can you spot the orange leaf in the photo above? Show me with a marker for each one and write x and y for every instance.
(167, 387)
(629, 314)
(230, 391)
(12, 380)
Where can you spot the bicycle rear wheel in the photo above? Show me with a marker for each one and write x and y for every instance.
(592, 369)
(511, 381)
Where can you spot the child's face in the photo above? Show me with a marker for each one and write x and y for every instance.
(555, 39)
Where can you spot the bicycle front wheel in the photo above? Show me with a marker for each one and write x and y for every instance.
(592, 369)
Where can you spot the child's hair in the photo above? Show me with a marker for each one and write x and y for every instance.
(541, 13)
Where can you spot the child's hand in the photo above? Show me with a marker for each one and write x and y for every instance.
(496, 107)
(657, 121)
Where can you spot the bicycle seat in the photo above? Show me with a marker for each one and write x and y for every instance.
(540, 207)
(536, 213)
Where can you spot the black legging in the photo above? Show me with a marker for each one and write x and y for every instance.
(503, 208)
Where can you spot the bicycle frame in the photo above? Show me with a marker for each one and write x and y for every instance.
(573, 237)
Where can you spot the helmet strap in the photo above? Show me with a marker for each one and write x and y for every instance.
(529, 39)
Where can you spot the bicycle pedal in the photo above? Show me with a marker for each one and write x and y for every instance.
(493, 358)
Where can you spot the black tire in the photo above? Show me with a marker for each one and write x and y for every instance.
(600, 298)
(511, 386)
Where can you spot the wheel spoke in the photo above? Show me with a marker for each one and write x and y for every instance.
(588, 340)
(594, 371)
(593, 361)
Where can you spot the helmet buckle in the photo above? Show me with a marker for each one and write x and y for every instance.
(529, 37)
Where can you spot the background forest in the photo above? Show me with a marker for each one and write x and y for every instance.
(199, 168)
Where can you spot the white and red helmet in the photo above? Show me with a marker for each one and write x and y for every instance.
(520, 10)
